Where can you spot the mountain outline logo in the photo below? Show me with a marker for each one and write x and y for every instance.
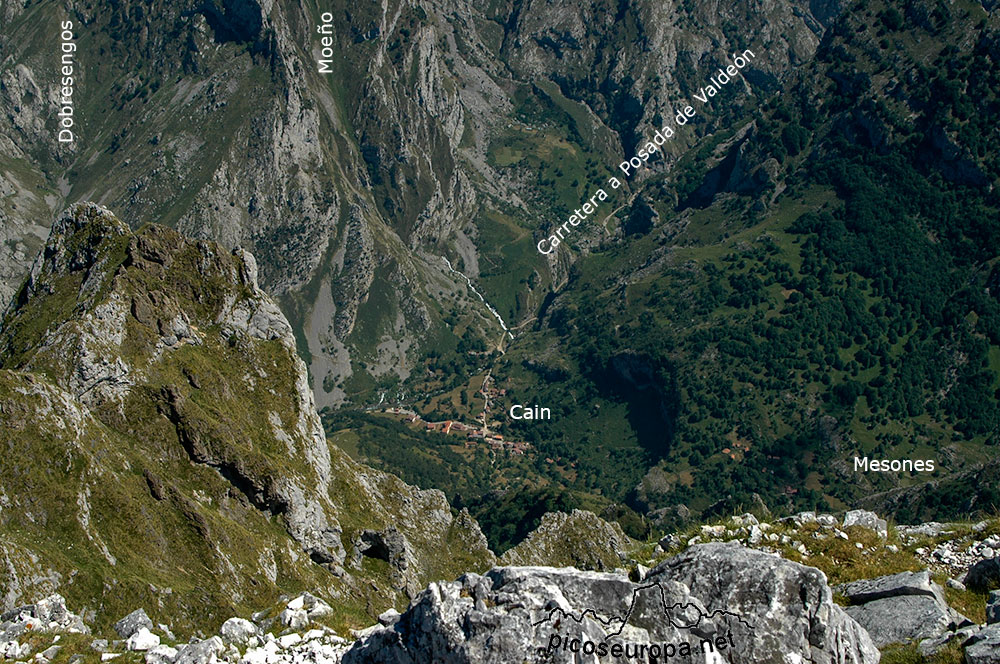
(702, 615)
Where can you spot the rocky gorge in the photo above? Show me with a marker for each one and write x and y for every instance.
(361, 177)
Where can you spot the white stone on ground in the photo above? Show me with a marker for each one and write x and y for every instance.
(142, 640)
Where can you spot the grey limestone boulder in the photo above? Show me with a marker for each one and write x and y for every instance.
(868, 520)
(294, 618)
(790, 605)
(984, 647)
(932, 646)
(201, 652)
(714, 600)
(132, 623)
(161, 654)
(238, 630)
(142, 640)
(892, 585)
(993, 607)
(312, 605)
(900, 608)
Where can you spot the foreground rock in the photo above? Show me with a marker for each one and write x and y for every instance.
(744, 605)
(984, 647)
(902, 608)
(789, 605)
(46, 615)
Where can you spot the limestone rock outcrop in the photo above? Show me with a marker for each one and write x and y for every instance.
(759, 607)
(579, 539)
(901, 608)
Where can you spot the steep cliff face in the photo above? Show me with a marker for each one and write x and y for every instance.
(417, 145)
(631, 64)
(160, 430)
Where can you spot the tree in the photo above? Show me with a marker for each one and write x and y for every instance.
(640, 218)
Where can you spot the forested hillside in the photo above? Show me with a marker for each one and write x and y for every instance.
(815, 279)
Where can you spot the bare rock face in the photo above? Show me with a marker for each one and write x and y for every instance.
(792, 603)
(711, 600)
(984, 647)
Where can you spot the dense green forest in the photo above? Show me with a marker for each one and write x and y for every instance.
(856, 311)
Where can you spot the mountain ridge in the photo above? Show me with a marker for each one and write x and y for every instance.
(157, 345)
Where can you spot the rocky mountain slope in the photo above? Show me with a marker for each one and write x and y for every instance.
(579, 539)
(841, 582)
(421, 143)
(161, 444)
